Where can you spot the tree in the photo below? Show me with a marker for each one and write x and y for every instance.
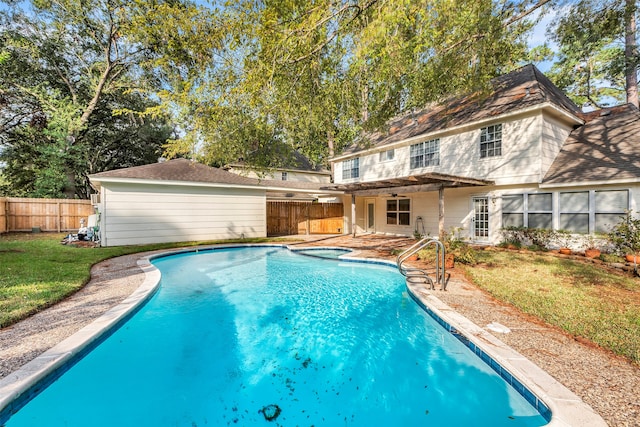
(598, 58)
(35, 168)
(314, 76)
(59, 64)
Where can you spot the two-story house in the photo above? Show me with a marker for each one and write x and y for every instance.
(525, 155)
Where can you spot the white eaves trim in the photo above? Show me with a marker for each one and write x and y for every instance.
(574, 184)
(212, 185)
(426, 136)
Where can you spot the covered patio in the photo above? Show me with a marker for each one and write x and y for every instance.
(422, 183)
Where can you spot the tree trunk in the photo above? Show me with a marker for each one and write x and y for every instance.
(630, 53)
(332, 150)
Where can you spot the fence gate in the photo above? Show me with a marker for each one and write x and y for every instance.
(285, 218)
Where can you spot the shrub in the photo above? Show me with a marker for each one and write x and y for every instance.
(466, 255)
(625, 236)
(541, 238)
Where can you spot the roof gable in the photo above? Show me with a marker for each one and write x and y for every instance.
(183, 170)
(518, 90)
(606, 148)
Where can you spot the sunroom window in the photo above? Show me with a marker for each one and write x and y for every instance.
(527, 210)
(610, 207)
(574, 211)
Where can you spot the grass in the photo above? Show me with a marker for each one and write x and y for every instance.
(585, 300)
(36, 271)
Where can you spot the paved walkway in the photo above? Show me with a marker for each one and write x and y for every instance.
(608, 383)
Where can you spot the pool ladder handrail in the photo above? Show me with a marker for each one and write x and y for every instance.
(416, 275)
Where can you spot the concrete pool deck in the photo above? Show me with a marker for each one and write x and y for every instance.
(605, 382)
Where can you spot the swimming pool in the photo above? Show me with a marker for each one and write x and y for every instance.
(248, 336)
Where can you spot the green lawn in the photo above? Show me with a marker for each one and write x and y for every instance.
(584, 299)
(37, 271)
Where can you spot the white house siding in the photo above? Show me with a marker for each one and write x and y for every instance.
(460, 155)
(297, 176)
(554, 134)
(141, 214)
(458, 212)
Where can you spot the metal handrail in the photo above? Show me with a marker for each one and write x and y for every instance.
(440, 258)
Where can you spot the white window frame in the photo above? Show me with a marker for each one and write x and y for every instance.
(491, 141)
(351, 168)
(593, 211)
(284, 176)
(387, 156)
(428, 153)
(397, 211)
(526, 211)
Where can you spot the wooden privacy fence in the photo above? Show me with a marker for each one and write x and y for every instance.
(18, 214)
(285, 218)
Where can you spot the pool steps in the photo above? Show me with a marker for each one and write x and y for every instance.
(420, 276)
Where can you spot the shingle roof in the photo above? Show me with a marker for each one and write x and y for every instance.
(606, 148)
(189, 171)
(178, 170)
(520, 89)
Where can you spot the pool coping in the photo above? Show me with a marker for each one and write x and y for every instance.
(566, 409)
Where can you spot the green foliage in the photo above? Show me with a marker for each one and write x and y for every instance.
(466, 255)
(534, 238)
(591, 61)
(69, 68)
(314, 76)
(625, 236)
(461, 250)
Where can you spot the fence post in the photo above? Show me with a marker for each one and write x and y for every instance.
(4, 213)
(59, 217)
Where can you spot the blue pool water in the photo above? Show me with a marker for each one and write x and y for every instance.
(263, 336)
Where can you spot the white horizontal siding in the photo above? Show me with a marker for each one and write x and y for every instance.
(520, 161)
(142, 214)
(297, 176)
(554, 134)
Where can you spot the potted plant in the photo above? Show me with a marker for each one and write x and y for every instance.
(625, 237)
(564, 240)
(591, 247)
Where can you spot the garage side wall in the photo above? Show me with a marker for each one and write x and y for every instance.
(141, 214)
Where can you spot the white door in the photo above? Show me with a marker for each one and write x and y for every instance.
(371, 216)
(480, 218)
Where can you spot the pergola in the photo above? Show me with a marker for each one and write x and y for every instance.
(425, 182)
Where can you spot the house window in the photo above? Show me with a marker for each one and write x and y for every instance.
(610, 206)
(425, 154)
(574, 211)
(539, 210)
(351, 168)
(527, 210)
(398, 211)
(513, 210)
(388, 155)
(491, 141)
(284, 176)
